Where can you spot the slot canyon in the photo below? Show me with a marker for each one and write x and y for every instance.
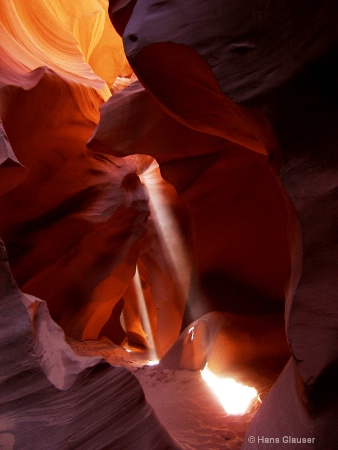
(168, 224)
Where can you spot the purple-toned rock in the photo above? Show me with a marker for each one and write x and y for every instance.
(53, 398)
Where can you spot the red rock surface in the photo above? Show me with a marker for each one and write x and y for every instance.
(72, 213)
(233, 229)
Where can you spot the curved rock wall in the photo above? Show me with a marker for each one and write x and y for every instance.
(75, 222)
(238, 104)
(49, 394)
(281, 59)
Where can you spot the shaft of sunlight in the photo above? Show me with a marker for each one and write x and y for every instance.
(144, 315)
(168, 230)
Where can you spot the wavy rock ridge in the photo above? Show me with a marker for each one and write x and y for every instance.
(230, 230)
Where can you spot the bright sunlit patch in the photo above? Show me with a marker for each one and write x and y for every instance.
(192, 333)
(152, 363)
(234, 397)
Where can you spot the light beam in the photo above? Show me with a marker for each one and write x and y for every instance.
(168, 230)
(144, 315)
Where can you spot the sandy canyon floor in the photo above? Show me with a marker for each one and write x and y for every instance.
(181, 399)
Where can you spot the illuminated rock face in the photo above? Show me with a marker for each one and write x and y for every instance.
(51, 217)
(80, 222)
(75, 222)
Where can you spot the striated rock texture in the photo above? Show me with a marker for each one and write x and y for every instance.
(49, 394)
(223, 160)
(237, 102)
(281, 59)
(66, 37)
(74, 212)
(75, 222)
